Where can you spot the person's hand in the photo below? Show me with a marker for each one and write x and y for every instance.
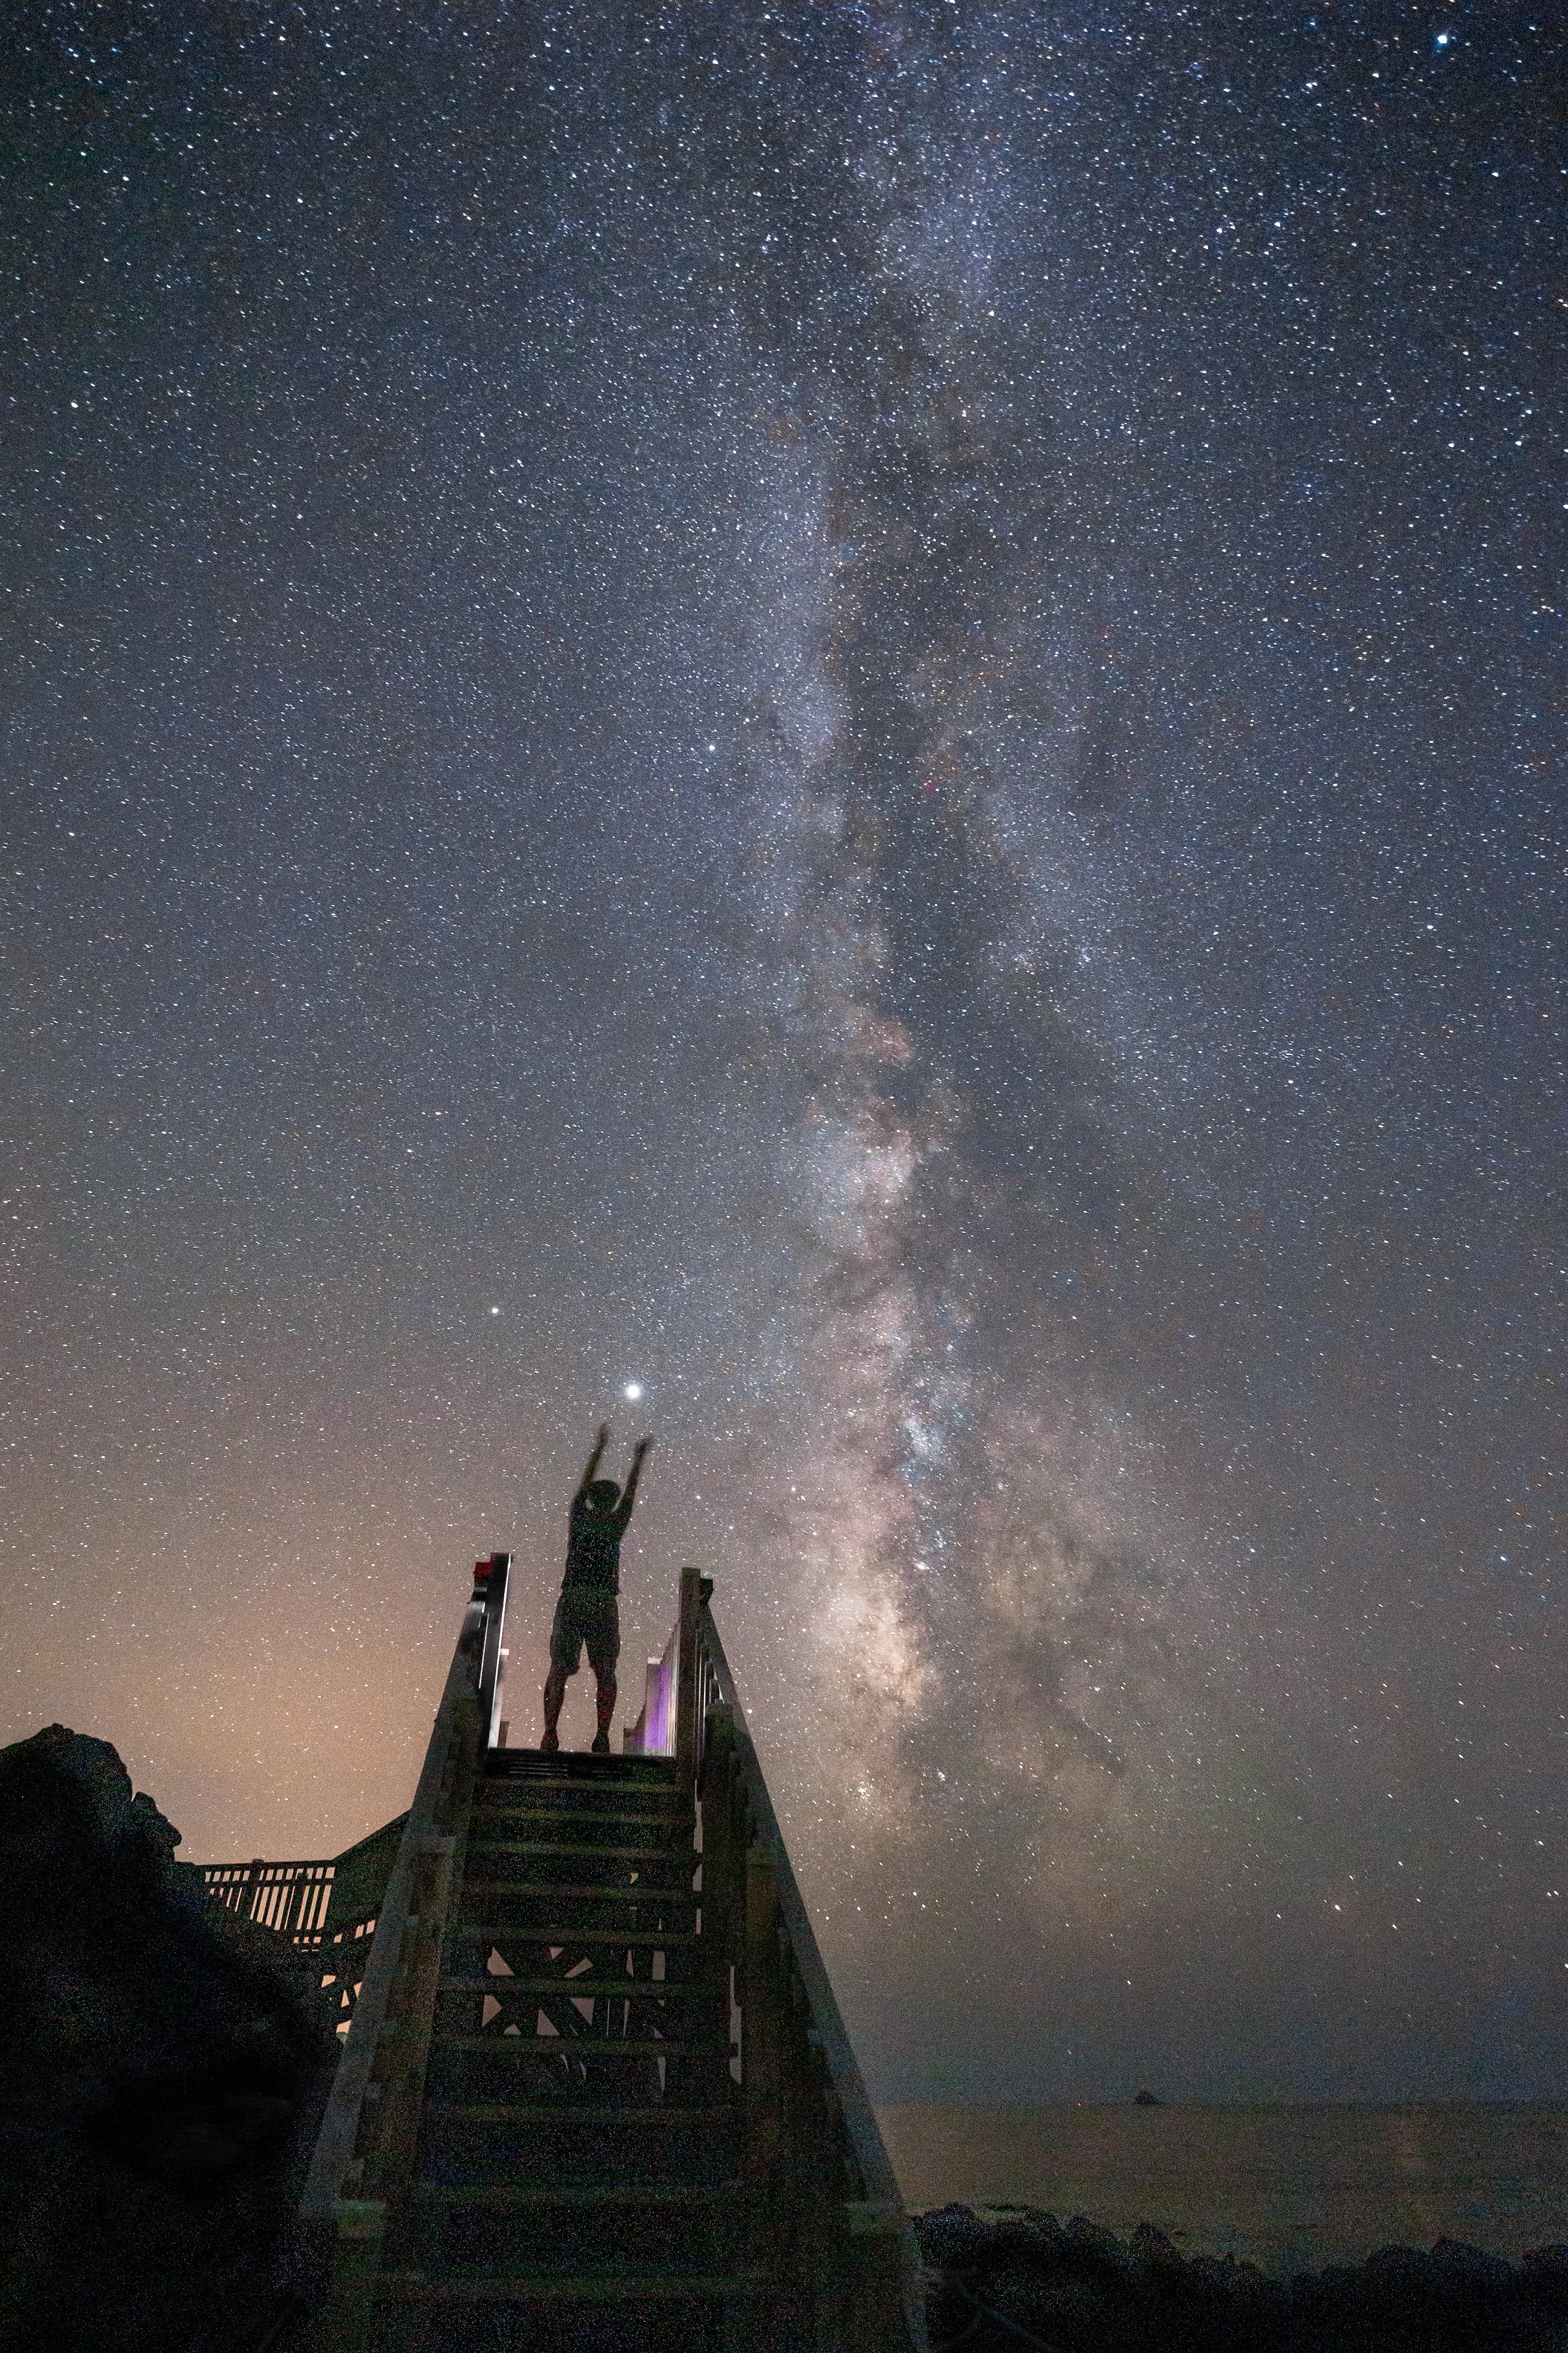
(603, 1433)
(644, 1446)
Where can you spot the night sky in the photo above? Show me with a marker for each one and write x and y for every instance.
(855, 711)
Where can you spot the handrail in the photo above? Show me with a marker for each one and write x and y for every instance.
(327, 1901)
(704, 1677)
(858, 2287)
(477, 1643)
(878, 2184)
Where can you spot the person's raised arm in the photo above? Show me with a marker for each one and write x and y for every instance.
(629, 1491)
(590, 1470)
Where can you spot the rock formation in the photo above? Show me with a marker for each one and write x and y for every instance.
(161, 2070)
(1019, 2277)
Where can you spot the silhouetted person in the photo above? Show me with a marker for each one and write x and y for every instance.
(588, 1611)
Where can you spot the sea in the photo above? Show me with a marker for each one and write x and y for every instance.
(1288, 2189)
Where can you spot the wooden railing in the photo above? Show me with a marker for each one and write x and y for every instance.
(364, 2150)
(290, 1898)
(823, 2203)
(295, 1901)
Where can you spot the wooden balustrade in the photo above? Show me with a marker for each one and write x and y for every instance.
(364, 2150)
(823, 2202)
(816, 2171)
(290, 1898)
(327, 1908)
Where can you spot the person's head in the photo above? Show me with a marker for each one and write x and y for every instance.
(603, 1495)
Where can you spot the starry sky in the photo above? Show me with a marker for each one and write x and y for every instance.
(855, 711)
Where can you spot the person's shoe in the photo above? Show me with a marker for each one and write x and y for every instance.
(601, 1744)
(550, 1744)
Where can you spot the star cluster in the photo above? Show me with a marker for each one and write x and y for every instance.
(839, 730)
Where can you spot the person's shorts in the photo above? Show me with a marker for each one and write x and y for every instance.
(591, 1618)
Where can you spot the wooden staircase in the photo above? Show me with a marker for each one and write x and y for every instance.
(580, 2149)
(567, 2119)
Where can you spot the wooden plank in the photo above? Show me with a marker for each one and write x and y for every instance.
(581, 2287)
(607, 1989)
(584, 2046)
(534, 1935)
(504, 2196)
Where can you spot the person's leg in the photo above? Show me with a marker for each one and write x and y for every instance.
(604, 1650)
(565, 1655)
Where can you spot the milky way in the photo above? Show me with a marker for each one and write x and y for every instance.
(856, 712)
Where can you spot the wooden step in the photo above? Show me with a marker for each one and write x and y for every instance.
(448, 2230)
(541, 1876)
(589, 1805)
(593, 1798)
(501, 2046)
(656, 1815)
(584, 2138)
(498, 1826)
(575, 2007)
(547, 2112)
(629, 2313)
(612, 2209)
(632, 1890)
(533, 2310)
(636, 1851)
(577, 1766)
(596, 1872)
(620, 1937)
(504, 2195)
(538, 2287)
(604, 1989)
(635, 2072)
(600, 1954)
(560, 1892)
(595, 1805)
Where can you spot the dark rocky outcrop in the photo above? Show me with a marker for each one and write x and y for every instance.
(162, 2066)
(1023, 2278)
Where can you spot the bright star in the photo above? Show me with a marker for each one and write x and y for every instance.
(632, 1391)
